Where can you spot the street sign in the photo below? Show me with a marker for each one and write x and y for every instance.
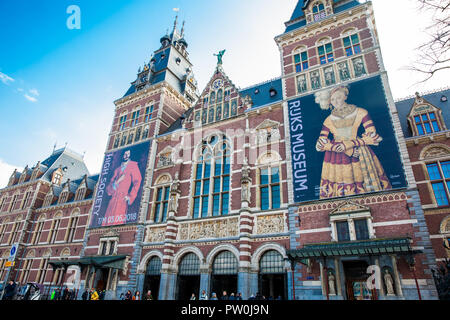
(13, 252)
(9, 264)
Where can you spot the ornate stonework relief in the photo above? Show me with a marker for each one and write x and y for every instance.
(155, 234)
(269, 224)
(209, 229)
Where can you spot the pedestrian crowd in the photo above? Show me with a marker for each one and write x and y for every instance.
(232, 296)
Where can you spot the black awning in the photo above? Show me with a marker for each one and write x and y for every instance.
(114, 262)
(353, 248)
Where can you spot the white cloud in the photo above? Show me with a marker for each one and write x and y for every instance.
(5, 172)
(34, 92)
(30, 98)
(5, 78)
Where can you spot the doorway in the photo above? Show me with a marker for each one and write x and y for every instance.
(187, 285)
(355, 281)
(102, 279)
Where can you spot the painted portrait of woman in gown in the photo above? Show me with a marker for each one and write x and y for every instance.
(350, 166)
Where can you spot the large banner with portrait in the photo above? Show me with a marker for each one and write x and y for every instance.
(120, 187)
(343, 142)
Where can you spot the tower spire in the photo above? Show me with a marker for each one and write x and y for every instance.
(182, 29)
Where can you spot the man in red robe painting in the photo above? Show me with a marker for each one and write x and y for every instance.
(125, 176)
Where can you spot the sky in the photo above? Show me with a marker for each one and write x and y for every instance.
(58, 85)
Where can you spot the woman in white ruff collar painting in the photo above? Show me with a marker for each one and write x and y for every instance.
(350, 166)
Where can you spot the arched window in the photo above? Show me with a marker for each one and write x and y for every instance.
(154, 267)
(225, 263)
(153, 276)
(272, 275)
(81, 192)
(271, 262)
(212, 178)
(189, 265)
(54, 228)
(48, 199)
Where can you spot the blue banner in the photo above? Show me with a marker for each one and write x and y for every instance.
(343, 142)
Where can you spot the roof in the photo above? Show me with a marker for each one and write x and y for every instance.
(298, 18)
(178, 124)
(404, 107)
(260, 93)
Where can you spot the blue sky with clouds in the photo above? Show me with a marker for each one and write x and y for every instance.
(58, 85)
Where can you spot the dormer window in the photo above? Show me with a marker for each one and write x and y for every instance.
(80, 194)
(57, 178)
(319, 12)
(63, 197)
(426, 123)
(273, 92)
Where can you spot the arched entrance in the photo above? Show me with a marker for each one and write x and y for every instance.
(188, 277)
(153, 277)
(272, 275)
(224, 273)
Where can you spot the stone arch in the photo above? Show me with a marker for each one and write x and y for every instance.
(269, 157)
(434, 150)
(47, 253)
(42, 217)
(31, 254)
(257, 255)
(145, 259)
(348, 31)
(445, 225)
(65, 252)
(223, 247)
(75, 212)
(163, 179)
(58, 215)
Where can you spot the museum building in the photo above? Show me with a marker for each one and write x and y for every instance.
(282, 188)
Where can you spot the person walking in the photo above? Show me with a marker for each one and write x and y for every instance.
(128, 295)
(203, 295)
(137, 296)
(148, 296)
(9, 291)
(193, 297)
(214, 296)
(232, 297)
(239, 296)
(95, 295)
(224, 296)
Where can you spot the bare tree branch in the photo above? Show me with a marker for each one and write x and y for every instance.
(433, 55)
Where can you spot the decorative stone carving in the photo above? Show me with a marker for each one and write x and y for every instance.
(349, 207)
(331, 283)
(270, 224)
(268, 131)
(174, 194)
(245, 182)
(435, 152)
(209, 229)
(389, 282)
(155, 234)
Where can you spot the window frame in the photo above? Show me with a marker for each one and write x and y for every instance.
(303, 61)
(422, 123)
(212, 153)
(350, 219)
(442, 180)
(355, 47)
(269, 185)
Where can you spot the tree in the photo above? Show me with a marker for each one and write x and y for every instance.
(434, 54)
